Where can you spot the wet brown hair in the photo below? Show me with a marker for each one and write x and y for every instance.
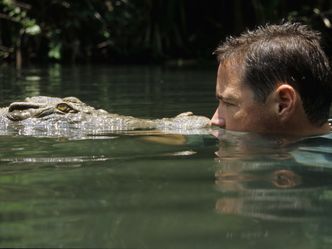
(287, 53)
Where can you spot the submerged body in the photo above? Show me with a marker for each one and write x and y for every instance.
(51, 116)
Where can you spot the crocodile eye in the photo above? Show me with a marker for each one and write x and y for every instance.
(64, 107)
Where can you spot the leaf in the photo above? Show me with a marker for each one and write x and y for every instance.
(55, 51)
(327, 22)
(33, 30)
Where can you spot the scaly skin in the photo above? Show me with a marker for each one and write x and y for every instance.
(50, 116)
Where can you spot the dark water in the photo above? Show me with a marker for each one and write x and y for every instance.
(144, 191)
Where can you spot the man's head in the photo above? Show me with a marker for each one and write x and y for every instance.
(275, 79)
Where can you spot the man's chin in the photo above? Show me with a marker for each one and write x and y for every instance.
(221, 133)
(218, 132)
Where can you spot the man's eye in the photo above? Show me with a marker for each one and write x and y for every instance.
(226, 103)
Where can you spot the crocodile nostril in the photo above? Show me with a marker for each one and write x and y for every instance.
(20, 106)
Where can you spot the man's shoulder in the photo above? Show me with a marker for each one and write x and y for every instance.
(317, 140)
(314, 151)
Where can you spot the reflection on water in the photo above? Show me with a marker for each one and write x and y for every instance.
(150, 92)
(130, 190)
(268, 183)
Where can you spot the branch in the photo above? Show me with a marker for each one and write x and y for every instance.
(6, 17)
(5, 49)
(22, 5)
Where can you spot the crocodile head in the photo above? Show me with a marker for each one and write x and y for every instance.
(69, 116)
(43, 107)
(183, 121)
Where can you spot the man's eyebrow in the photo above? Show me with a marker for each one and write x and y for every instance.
(227, 98)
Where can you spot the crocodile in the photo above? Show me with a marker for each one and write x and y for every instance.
(69, 116)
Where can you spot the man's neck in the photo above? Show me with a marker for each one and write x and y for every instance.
(307, 129)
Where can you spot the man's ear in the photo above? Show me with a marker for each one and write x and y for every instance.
(286, 97)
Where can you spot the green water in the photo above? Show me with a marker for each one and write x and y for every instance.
(144, 191)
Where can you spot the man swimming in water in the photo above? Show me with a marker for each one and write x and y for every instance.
(274, 80)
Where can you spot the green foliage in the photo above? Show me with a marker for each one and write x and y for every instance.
(139, 30)
(54, 50)
(16, 13)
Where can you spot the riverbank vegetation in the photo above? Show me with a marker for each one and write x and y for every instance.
(139, 31)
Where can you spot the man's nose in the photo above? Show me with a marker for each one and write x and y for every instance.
(217, 120)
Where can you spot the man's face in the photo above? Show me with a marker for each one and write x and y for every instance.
(238, 110)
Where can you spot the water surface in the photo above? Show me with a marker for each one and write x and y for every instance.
(156, 191)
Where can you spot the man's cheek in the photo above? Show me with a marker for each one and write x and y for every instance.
(237, 117)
